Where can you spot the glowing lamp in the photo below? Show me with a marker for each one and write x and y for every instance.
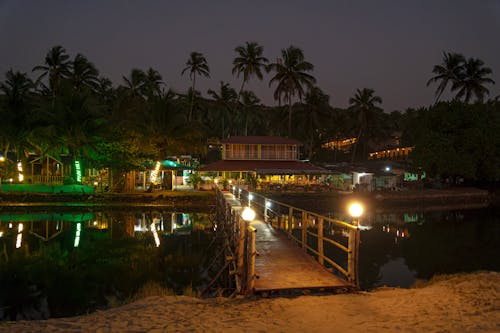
(248, 214)
(268, 204)
(355, 209)
(250, 196)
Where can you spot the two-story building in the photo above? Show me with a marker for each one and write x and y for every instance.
(267, 159)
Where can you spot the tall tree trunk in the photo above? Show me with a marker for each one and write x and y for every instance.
(353, 156)
(190, 114)
(241, 90)
(246, 122)
(289, 115)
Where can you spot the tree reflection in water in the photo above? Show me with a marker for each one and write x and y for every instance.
(51, 273)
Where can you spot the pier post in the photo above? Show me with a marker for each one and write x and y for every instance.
(304, 231)
(352, 256)
(251, 261)
(320, 241)
(241, 254)
(290, 220)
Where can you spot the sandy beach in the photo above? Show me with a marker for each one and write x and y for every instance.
(458, 303)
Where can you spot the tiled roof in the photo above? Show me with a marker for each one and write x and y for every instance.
(277, 140)
(265, 167)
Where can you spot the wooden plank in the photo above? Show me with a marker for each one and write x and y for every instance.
(282, 265)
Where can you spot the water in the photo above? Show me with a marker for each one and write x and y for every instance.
(397, 249)
(71, 260)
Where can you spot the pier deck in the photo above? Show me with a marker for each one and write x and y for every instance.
(282, 265)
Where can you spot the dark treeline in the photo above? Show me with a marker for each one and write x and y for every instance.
(68, 108)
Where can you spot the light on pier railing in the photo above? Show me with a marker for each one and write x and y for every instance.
(355, 209)
(268, 204)
(248, 214)
(250, 196)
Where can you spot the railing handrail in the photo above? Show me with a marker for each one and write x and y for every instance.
(351, 250)
(242, 239)
(329, 219)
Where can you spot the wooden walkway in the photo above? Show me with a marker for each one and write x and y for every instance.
(282, 266)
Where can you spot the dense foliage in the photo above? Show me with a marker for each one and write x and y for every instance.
(70, 109)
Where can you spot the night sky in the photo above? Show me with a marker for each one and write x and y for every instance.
(390, 46)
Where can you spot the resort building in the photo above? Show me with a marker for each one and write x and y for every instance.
(400, 153)
(263, 160)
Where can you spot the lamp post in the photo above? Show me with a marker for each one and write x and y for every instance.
(356, 210)
(267, 205)
(247, 216)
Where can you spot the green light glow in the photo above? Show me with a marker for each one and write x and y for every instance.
(78, 171)
(77, 235)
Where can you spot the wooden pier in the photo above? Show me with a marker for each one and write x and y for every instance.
(281, 265)
(283, 250)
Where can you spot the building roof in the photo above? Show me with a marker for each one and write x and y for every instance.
(276, 140)
(265, 167)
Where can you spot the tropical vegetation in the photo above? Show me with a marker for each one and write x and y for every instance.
(65, 107)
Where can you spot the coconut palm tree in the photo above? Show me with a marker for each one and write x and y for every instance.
(196, 65)
(105, 89)
(249, 105)
(449, 71)
(17, 87)
(134, 84)
(313, 118)
(472, 80)
(364, 103)
(152, 83)
(83, 73)
(226, 98)
(56, 67)
(249, 62)
(15, 127)
(291, 78)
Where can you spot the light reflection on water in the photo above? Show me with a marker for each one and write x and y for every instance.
(74, 258)
(398, 248)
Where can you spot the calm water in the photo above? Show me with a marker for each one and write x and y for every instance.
(398, 248)
(71, 260)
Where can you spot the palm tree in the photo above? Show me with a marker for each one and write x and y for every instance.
(83, 73)
(291, 77)
(472, 80)
(152, 83)
(196, 65)
(17, 87)
(56, 67)
(249, 102)
(447, 72)
(105, 90)
(15, 127)
(313, 117)
(249, 62)
(364, 103)
(226, 97)
(134, 84)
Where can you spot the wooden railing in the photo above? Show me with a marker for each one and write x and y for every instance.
(42, 179)
(333, 243)
(241, 240)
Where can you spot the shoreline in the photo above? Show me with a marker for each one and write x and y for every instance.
(407, 200)
(455, 303)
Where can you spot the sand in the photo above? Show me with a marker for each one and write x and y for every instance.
(457, 303)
